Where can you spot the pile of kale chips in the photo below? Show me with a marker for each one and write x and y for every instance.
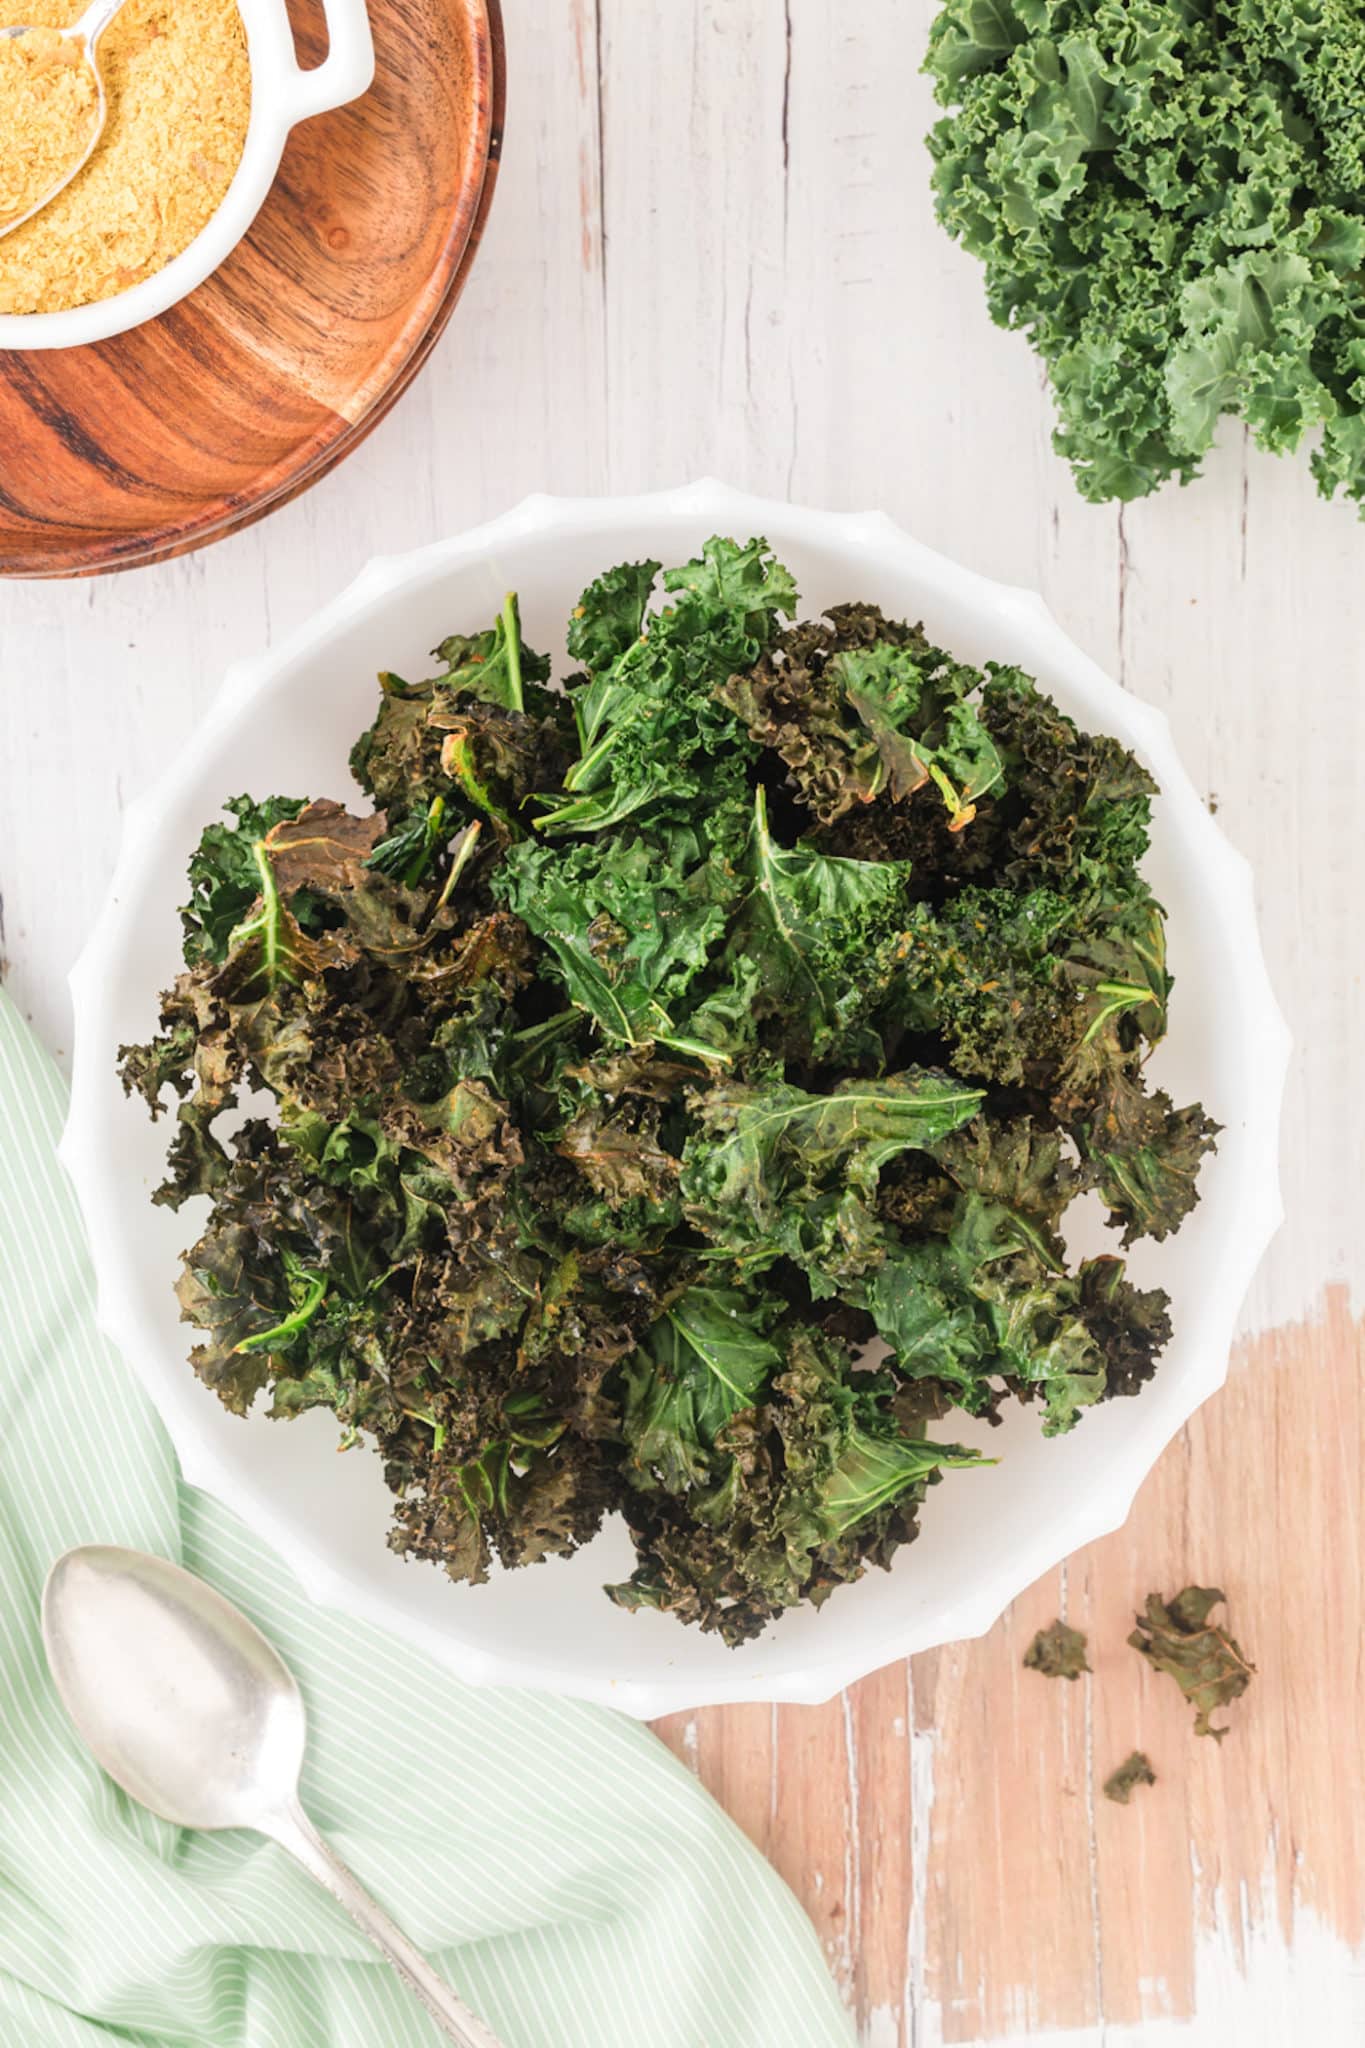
(652, 1047)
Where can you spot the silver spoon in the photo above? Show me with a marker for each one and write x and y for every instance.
(86, 32)
(188, 1707)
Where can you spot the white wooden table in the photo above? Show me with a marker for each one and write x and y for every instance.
(712, 249)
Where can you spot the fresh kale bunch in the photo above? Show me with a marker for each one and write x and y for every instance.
(657, 1056)
(1169, 196)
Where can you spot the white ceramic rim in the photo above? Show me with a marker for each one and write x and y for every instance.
(1253, 1208)
(281, 94)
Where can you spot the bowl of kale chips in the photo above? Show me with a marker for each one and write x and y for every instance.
(749, 1053)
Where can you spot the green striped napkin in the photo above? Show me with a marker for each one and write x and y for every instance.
(571, 1880)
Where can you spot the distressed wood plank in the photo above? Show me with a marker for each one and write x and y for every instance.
(733, 1750)
(878, 1714)
(1010, 1933)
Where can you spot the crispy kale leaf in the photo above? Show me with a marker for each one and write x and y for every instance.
(1135, 1770)
(1208, 1665)
(629, 925)
(649, 1050)
(483, 737)
(864, 707)
(704, 1361)
(653, 733)
(224, 878)
(817, 936)
(1168, 201)
(774, 1172)
(1057, 1652)
(792, 1481)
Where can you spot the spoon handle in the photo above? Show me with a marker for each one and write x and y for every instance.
(95, 21)
(296, 1833)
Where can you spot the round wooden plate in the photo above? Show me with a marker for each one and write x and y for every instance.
(184, 430)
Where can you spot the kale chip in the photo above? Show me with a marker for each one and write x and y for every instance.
(1135, 1770)
(1210, 1666)
(1057, 1652)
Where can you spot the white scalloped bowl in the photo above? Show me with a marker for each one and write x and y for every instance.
(285, 722)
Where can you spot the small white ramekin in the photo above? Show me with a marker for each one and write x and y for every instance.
(281, 94)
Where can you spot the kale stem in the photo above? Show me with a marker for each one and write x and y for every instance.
(270, 899)
(511, 626)
(548, 1027)
(597, 752)
(533, 1036)
(304, 1313)
(468, 841)
(435, 816)
(1122, 995)
(267, 919)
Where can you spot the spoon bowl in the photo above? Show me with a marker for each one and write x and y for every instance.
(85, 34)
(186, 1705)
(176, 1694)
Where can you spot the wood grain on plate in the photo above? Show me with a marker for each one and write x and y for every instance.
(147, 445)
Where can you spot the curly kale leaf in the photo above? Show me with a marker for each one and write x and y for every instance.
(988, 1303)
(1065, 995)
(652, 730)
(759, 1141)
(865, 709)
(985, 1300)
(609, 617)
(493, 666)
(1167, 201)
(704, 1361)
(817, 935)
(1146, 1154)
(619, 1150)
(632, 928)
(324, 847)
(1131, 1325)
(1016, 1163)
(406, 853)
(1135, 1770)
(745, 587)
(1076, 806)
(515, 1486)
(483, 735)
(919, 737)
(628, 925)
(279, 1283)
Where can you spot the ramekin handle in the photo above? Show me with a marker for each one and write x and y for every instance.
(345, 72)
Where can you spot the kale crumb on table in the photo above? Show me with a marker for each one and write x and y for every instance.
(653, 1048)
(1057, 1652)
